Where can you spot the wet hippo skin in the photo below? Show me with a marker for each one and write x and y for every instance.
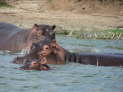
(60, 55)
(34, 65)
(13, 38)
(33, 54)
(96, 59)
(55, 54)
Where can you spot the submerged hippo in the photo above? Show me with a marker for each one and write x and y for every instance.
(34, 53)
(13, 38)
(55, 54)
(35, 65)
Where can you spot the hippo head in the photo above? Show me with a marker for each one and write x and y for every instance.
(34, 65)
(42, 48)
(49, 49)
(45, 48)
(41, 32)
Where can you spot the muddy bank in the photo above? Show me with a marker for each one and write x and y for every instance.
(84, 26)
(26, 13)
(66, 21)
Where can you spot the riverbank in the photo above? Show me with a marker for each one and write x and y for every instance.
(26, 13)
(114, 34)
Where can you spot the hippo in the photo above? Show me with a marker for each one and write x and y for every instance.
(55, 54)
(35, 65)
(33, 54)
(14, 38)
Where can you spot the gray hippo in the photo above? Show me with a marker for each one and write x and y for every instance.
(55, 54)
(13, 38)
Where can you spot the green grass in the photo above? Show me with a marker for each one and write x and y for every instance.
(85, 45)
(4, 4)
(115, 30)
(106, 34)
(50, 0)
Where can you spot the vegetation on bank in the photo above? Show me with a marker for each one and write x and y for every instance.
(4, 4)
(106, 34)
(116, 31)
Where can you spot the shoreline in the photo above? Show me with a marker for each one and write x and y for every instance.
(92, 26)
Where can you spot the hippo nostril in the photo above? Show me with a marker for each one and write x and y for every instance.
(47, 48)
(34, 63)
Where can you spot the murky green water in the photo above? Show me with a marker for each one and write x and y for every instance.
(66, 78)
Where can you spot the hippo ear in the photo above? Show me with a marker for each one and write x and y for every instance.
(36, 25)
(53, 27)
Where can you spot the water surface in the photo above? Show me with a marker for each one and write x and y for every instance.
(65, 78)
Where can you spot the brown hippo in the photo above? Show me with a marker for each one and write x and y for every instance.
(35, 65)
(13, 38)
(33, 54)
(55, 54)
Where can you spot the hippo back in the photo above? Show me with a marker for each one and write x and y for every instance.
(13, 38)
(101, 59)
(8, 30)
(8, 35)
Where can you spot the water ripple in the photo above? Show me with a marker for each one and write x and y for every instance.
(65, 78)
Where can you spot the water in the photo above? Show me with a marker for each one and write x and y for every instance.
(65, 78)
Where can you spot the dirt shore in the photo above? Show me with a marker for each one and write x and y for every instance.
(27, 14)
